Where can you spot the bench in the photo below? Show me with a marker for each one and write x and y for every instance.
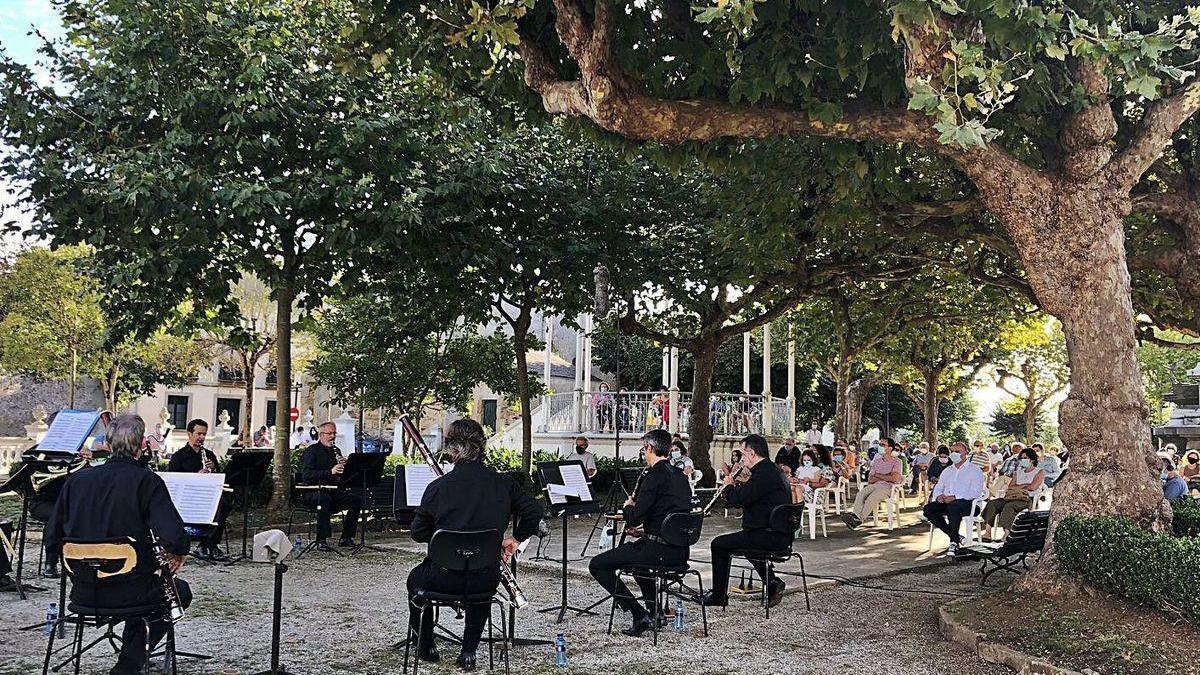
(1027, 536)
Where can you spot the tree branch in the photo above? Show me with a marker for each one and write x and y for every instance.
(1159, 124)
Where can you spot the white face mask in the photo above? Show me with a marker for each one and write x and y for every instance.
(808, 462)
(956, 457)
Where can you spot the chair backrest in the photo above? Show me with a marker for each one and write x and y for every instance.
(786, 518)
(1028, 532)
(682, 529)
(465, 550)
(95, 561)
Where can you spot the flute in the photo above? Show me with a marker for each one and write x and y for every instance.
(516, 597)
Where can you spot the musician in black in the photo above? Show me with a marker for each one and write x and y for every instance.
(116, 500)
(195, 458)
(662, 491)
(471, 497)
(319, 465)
(757, 497)
(46, 487)
(7, 583)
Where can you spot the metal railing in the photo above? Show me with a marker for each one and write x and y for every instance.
(635, 412)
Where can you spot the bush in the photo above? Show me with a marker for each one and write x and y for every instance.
(1114, 554)
(1187, 518)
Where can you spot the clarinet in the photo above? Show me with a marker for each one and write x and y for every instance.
(209, 465)
(708, 507)
(167, 581)
(637, 485)
(516, 597)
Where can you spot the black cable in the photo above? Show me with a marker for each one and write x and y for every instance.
(858, 584)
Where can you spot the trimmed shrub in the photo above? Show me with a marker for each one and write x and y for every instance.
(1187, 518)
(1151, 569)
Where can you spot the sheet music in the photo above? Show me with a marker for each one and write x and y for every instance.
(196, 496)
(574, 479)
(417, 477)
(559, 493)
(69, 430)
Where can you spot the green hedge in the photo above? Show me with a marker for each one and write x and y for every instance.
(1114, 554)
(1187, 518)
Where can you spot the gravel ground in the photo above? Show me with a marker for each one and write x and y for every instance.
(342, 615)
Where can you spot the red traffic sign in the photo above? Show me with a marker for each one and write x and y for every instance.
(294, 414)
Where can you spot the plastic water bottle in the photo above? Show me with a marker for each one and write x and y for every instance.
(606, 536)
(51, 618)
(678, 624)
(298, 546)
(560, 651)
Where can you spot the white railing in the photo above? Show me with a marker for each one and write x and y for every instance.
(562, 412)
(781, 417)
(639, 411)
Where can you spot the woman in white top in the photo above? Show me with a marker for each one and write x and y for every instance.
(1002, 511)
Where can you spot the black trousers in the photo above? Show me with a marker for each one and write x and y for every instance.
(430, 577)
(947, 517)
(5, 564)
(223, 509)
(724, 546)
(641, 552)
(331, 502)
(42, 510)
(138, 636)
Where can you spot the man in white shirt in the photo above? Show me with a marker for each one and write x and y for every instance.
(960, 484)
(582, 454)
(813, 435)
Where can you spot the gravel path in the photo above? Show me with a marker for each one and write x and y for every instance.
(342, 615)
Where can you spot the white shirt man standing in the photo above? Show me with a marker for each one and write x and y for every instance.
(958, 486)
(813, 435)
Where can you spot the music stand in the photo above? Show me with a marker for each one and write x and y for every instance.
(569, 475)
(621, 488)
(246, 469)
(21, 479)
(363, 471)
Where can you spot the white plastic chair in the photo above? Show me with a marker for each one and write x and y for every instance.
(894, 502)
(694, 479)
(819, 506)
(840, 493)
(970, 522)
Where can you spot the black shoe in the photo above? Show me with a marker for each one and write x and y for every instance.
(851, 521)
(775, 592)
(216, 553)
(323, 545)
(640, 626)
(430, 654)
(345, 543)
(465, 661)
(50, 571)
(711, 599)
(7, 583)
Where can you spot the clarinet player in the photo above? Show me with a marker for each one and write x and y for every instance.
(195, 458)
(471, 497)
(116, 500)
(322, 464)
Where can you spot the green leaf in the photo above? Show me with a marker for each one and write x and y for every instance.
(1145, 86)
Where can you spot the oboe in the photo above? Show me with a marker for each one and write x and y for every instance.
(167, 581)
(516, 596)
(721, 491)
(209, 465)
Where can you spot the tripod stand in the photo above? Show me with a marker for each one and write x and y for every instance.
(617, 494)
(276, 618)
(563, 606)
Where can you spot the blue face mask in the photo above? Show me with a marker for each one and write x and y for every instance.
(675, 454)
(1025, 463)
(838, 458)
(956, 457)
(808, 462)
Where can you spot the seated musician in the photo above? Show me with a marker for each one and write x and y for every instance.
(122, 499)
(471, 497)
(7, 583)
(48, 485)
(757, 498)
(320, 465)
(195, 458)
(662, 491)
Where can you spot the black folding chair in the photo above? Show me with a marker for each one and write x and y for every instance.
(678, 529)
(90, 565)
(785, 519)
(470, 552)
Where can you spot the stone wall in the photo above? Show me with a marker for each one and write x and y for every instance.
(20, 395)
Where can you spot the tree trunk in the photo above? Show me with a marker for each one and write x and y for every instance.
(247, 427)
(856, 396)
(698, 430)
(74, 376)
(841, 418)
(519, 341)
(931, 407)
(284, 292)
(1030, 415)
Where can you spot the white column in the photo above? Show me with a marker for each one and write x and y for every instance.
(577, 403)
(548, 337)
(791, 384)
(666, 367)
(587, 353)
(746, 362)
(766, 361)
(673, 420)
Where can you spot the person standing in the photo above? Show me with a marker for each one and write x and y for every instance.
(120, 499)
(813, 435)
(884, 475)
(195, 458)
(662, 491)
(471, 497)
(322, 464)
(959, 485)
(757, 497)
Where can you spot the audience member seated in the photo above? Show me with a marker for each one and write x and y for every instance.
(920, 464)
(958, 486)
(1175, 488)
(1191, 465)
(811, 475)
(939, 464)
(1001, 512)
(885, 474)
(1049, 464)
(840, 464)
(788, 455)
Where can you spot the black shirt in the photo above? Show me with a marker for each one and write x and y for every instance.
(935, 469)
(315, 465)
(474, 497)
(758, 496)
(187, 460)
(790, 458)
(119, 499)
(664, 490)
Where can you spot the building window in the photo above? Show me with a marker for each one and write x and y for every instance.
(270, 413)
(230, 374)
(177, 409)
(489, 414)
(272, 378)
